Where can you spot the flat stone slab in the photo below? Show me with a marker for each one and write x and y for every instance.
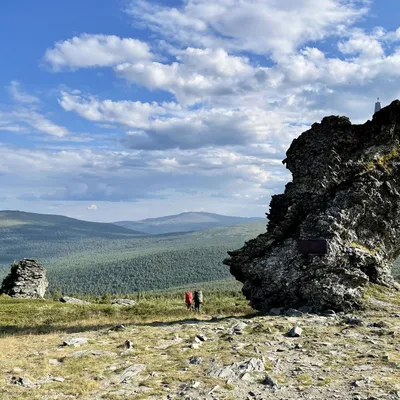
(79, 341)
(130, 372)
(72, 300)
(123, 302)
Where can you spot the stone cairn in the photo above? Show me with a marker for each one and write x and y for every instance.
(335, 229)
(27, 279)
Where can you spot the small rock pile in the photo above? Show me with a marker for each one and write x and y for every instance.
(27, 279)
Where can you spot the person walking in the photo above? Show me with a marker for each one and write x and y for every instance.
(189, 300)
(198, 300)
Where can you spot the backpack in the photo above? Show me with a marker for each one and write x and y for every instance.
(188, 297)
(198, 295)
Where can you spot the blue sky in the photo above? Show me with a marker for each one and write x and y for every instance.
(122, 109)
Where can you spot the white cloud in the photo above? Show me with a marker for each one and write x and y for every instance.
(25, 117)
(18, 95)
(246, 77)
(359, 43)
(260, 26)
(92, 207)
(167, 125)
(96, 51)
(198, 74)
(130, 113)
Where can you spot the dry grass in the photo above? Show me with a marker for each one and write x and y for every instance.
(329, 355)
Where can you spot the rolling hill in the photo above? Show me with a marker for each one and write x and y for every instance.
(92, 258)
(185, 222)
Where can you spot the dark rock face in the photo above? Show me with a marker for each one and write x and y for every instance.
(345, 189)
(27, 279)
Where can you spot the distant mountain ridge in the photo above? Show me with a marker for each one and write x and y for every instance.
(53, 225)
(185, 222)
(95, 258)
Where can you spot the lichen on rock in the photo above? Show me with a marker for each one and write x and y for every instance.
(345, 191)
(27, 279)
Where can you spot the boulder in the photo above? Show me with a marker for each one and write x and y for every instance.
(335, 228)
(124, 302)
(27, 279)
(72, 300)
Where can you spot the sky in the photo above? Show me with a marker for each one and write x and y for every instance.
(124, 110)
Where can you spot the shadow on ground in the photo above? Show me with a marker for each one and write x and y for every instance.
(45, 329)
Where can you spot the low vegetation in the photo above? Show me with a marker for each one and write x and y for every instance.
(348, 355)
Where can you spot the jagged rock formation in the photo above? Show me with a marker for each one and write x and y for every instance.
(345, 189)
(27, 279)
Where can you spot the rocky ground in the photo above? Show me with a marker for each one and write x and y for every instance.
(342, 356)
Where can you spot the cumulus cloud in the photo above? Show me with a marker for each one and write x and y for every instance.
(96, 51)
(87, 175)
(261, 26)
(168, 125)
(196, 75)
(130, 113)
(241, 79)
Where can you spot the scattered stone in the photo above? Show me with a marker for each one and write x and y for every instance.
(96, 353)
(123, 302)
(236, 370)
(21, 381)
(269, 381)
(17, 370)
(292, 312)
(195, 360)
(195, 346)
(27, 280)
(329, 313)
(55, 361)
(201, 337)
(58, 379)
(119, 327)
(130, 372)
(75, 342)
(72, 300)
(380, 324)
(275, 311)
(295, 332)
(306, 309)
(213, 389)
(353, 321)
(196, 384)
(238, 328)
(363, 368)
(126, 345)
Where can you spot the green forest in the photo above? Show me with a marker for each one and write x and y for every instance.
(89, 258)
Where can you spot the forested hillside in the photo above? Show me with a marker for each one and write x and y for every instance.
(84, 257)
(185, 222)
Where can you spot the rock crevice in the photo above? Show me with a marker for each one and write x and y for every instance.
(345, 191)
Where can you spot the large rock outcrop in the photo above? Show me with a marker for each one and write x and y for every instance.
(27, 279)
(346, 192)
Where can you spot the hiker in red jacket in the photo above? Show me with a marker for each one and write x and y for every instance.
(189, 300)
